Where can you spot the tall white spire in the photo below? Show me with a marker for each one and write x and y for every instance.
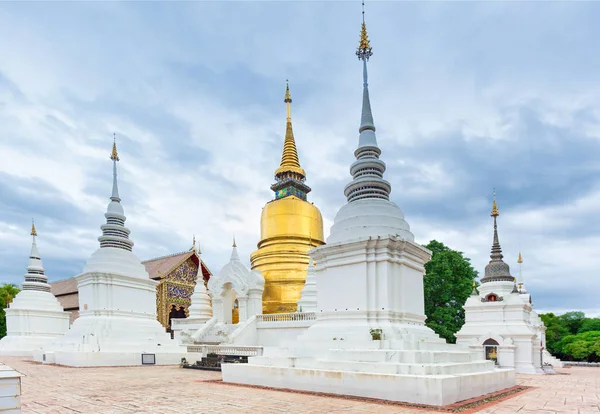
(234, 252)
(114, 232)
(35, 278)
(367, 171)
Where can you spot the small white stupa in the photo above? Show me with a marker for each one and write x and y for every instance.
(236, 295)
(117, 300)
(498, 318)
(308, 295)
(200, 311)
(35, 316)
(236, 289)
(370, 338)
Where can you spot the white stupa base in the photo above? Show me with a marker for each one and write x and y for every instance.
(106, 359)
(407, 370)
(435, 390)
(366, 287)
(112, 338)
(23, 346)
(34, 318)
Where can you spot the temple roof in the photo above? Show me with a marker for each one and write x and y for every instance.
(156, 268)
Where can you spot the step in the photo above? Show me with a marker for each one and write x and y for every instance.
(402, 356)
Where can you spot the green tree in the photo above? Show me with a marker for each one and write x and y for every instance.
(589, 324)
(556, 330)
(582, 347)
(572, 320)
(8, 291)
(448, 283)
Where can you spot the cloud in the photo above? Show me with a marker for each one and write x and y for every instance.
(465, 98)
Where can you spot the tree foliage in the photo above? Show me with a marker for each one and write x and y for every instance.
(448, 283)
(572, 336)
(8, 291)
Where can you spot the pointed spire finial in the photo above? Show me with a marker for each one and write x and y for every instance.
(234, 244)
(193, 243)
(33, 231)
(520, 259)
(114, 155)
(495, 212)
(364, 50)
(290, 163)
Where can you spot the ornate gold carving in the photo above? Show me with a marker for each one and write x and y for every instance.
(495, 212)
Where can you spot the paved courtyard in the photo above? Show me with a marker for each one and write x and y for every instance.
(52, 389)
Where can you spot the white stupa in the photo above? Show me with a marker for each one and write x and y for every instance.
(234, 290)
(200, 311)
(308, 295)
(117, 300)
(236, 286)
(498, 318)
(369, 338)
(35, 316)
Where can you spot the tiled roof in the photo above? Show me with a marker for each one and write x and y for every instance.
(64, 287)
(162, 265)
(67, 293)
(70, 301)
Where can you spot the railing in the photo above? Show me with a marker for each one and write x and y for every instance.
(207, 326)
(287, 317)
(580, 364)
(226, 350)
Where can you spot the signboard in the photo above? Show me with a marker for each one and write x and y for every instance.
(148, 359)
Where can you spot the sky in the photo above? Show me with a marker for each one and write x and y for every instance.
(466, 97)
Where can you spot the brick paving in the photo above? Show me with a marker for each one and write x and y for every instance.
(153, 389)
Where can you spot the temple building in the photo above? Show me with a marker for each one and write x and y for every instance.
(290, 226)
(34, 317)
(176, 276)
(500, 324)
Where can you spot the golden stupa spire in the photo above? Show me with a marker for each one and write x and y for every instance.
(33, 232)
(234, 244)
(520, 260)
(289, 158)
(495, 212)
(114, 155)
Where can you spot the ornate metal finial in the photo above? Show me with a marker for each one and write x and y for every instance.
(288, 95)
(495, 212)
(234, 245)
(33, 232)
(288, 101)
(364, 50)
(114, 155)
(193, 248)
(520, 260)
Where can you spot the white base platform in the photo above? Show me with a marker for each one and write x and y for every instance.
(105, 359)
(23, 345)
(436, 390)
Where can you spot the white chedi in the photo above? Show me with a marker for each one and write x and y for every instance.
(235, 282)
(117, 300)
(200, 307)
(35, 317)
(370, 338)
(498, 318)
(308, 295)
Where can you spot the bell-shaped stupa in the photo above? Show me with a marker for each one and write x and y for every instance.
(117, 305)
(34, 318)
(369, 338)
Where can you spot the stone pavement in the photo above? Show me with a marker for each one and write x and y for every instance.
(154, 389)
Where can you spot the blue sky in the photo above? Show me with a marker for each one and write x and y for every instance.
(466, 96)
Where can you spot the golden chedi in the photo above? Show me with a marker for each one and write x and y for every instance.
(290, 226)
